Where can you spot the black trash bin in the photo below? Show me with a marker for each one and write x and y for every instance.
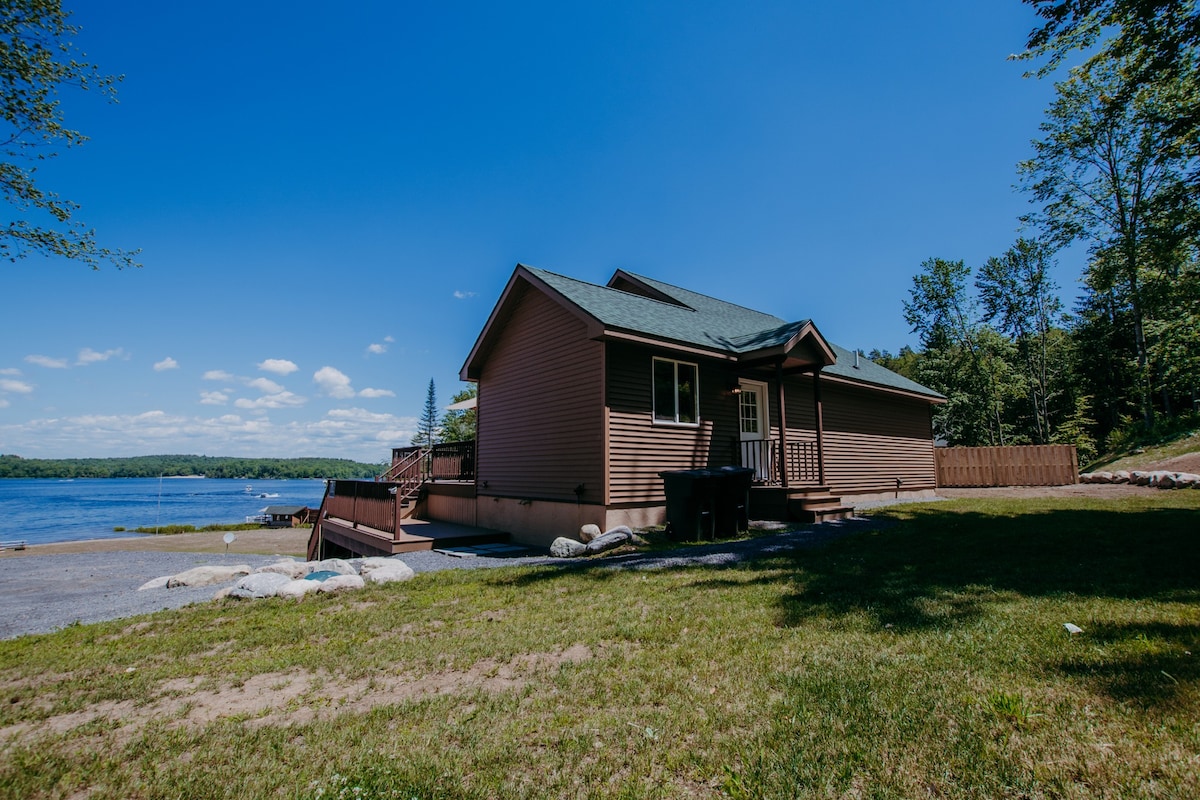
(692, 499)
(732, 512)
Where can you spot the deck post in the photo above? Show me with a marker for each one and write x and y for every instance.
(820, 418)
(779, 400)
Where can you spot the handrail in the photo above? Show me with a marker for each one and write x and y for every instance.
(415, 457)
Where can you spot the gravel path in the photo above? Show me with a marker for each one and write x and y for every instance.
(43, 593)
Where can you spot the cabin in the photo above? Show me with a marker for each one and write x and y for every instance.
(586, 393)
(286, 516)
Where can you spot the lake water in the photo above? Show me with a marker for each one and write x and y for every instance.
(46, 510)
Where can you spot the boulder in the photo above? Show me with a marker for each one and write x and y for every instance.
(588, 532)
(1102, 477)
(1085, 477)
(1167, 481)
(610, 539)
(368, 565)
(155, 583)
(390, 573)
(1121, 476)
(222, 593)
(1139, 478)
(291, 568)
(338, 565)
(206, 576)
(340, 583)
(297, 589)
(1185, 480)
(562, 547)
(259, 585)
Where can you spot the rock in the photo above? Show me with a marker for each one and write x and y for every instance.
(1085, 477)
(610, 539)
(259, 585)
(338, 565)
(1166, 481)
(1102, 477)
(1121, 476)
(390, 573)
(222, 593)
(340, 583)
(1139, 478)
(298, 588)
(320, 576)
(1186, 480)
(562, 547)
(368, 565)
(588, 532)
(293, 569)
(206, 576)
(155, 583)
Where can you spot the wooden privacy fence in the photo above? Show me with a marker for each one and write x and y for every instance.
(1030, 465)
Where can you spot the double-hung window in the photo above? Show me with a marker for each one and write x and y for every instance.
(676, 392)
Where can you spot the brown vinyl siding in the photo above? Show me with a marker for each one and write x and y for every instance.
(638, 448)
(540, 424)
(872, 438)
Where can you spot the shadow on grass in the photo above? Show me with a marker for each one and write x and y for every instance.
(941, 565)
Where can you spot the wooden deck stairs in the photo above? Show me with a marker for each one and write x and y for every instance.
(803, 504)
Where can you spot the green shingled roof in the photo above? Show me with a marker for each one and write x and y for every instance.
(707, 322)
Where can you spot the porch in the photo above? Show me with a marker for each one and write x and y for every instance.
(378, 517)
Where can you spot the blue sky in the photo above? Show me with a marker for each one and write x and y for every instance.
(330, 198)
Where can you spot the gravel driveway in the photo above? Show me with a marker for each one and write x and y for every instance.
(43, 593)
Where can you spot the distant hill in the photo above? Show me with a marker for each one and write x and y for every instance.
(169, 466)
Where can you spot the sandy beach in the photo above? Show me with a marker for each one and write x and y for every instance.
(267, 542)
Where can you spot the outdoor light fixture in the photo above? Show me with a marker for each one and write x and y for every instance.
(735, 388)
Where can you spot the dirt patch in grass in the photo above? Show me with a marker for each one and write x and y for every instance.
(295, 696)
(1089, 490)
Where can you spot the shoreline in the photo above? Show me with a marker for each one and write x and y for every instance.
(265, 541)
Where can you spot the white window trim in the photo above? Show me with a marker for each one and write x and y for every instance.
(654, 389)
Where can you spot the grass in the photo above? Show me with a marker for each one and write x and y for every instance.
(1135, 447)
(926, 657)
(220, 526)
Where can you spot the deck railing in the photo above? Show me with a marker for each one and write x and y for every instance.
(447, 461)
(762, 456)
(367, 503)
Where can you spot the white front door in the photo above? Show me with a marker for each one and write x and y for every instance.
(753, 422)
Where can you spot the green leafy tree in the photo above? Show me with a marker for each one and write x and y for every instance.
(37, 61)
(1110, 173)
(459, 425)
(427, 425)
(964, 358)
(1017, 294)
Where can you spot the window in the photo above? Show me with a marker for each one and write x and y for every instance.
(676, 394)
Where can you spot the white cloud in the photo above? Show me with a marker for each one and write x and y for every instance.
(15, 386)
(265, 385)
(376, 393)
(47, 361)
(89, 356)
(343, 433)
(217, 375)
(10, 371)
(213, 398)
(278, 400)
(333, 382)
(4, 403)
(377, 349)
(463, 295)
(389, 339)
(166, 363)
(279, 366)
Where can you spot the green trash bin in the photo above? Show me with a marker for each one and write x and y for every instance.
(693, 496)
(733, 504)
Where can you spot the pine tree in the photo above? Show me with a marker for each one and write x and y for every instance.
(427, 426)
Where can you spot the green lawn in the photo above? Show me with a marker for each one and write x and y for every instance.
(925, 658)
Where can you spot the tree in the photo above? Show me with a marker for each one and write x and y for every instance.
(427, 426)
(459, 425)
(1017, 293)
(1110, 173)
(37, 59)
(964, 359)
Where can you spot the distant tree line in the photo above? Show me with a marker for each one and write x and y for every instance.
(12, 466)
(1116, 169)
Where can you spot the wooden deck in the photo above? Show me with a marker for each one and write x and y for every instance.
(803, 504)
(414, 535)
